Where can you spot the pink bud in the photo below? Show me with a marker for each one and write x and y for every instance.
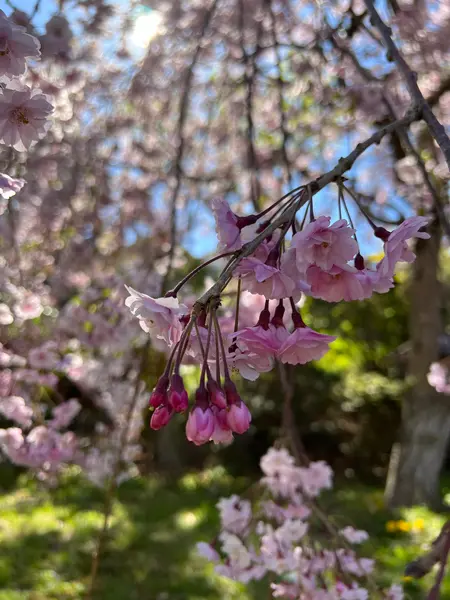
(239, 417)
(200, 425)
(222, 433)
(231, 392)
(159, 394)
(161, 416)
(178, 398)
(217, 395)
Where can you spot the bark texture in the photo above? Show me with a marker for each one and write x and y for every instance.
(416, 460)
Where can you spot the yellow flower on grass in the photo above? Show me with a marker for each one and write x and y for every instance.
(391, 526)
(403, 525)
(418, 524)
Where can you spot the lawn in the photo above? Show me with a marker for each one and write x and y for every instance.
(47, 537)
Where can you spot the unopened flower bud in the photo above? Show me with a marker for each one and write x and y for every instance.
(200, 423)
(178, 397)
(161, 416)
(159, 394)
(217, 395)
(239, 417)
(382, 233)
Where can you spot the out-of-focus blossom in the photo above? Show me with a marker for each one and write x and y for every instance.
(16, 409)
(29, 307)
(6, 316)
(15, 47)
(10, 186)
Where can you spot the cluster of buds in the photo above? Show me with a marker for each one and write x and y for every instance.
(319, 258)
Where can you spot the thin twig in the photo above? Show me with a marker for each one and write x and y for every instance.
(184, 105)
(436, 128)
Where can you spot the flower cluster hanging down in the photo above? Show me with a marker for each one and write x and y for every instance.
(277, 537)
(320, 259)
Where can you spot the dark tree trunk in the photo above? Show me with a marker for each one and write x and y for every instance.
(416, 460)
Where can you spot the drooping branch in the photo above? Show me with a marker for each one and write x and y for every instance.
(344, 164)
(436, 128)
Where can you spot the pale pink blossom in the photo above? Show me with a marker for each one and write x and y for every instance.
(228, 232)
(438, 377)
(316, 477)
(354, 536)
(16, 409)
(324, 245)
(235, 514)
(15, 47)
(303, 345)
(64, 413)
(336, 284)
(57, 37)
(24, 116)
(158, 316)
(268, 281)
(207, 551)
(200, 425)
(29, 307)
(222, 433)
(395, 592)
(43, 358)
(250, 364)
(6, 316)
(395, 243)
(9, 186)
(260, 340)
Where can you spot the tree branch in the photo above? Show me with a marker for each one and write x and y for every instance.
(344, 164)
(436, 128)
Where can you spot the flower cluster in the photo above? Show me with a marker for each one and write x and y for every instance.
(321, 259)
(278, 537)
(24, 112)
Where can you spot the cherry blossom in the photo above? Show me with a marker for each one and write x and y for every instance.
(324, 245)
(303, 345)
(9, 186)
(24, 116)
(16, 46)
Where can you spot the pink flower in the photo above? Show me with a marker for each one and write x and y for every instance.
(221, 434)
(29, 307)
(43, 358)
(354, 536)
(207, 551)
(304, 344)
(157, 316)
(161, 416)
(395, 246)
(64, 414)
(250, 364)
(10, 186)
(57, 38)
(23, 116)
(177, 395)
(266, 280)
(16, 409)
(200, 425)
(6, 316)
(259, 340)
(15, 47)
(337, 284)
(228, 232)
(229, 225)
(216, 394)
(239, 417)
(324, 245)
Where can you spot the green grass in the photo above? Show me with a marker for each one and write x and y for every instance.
(47, 537)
